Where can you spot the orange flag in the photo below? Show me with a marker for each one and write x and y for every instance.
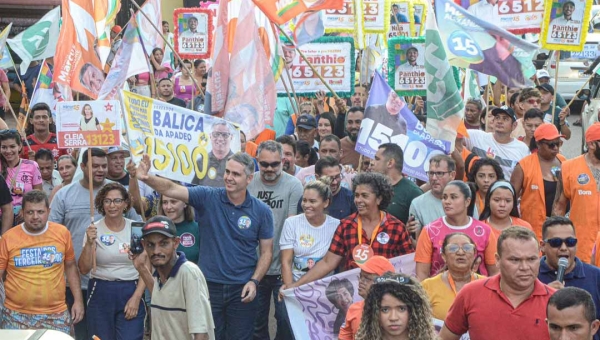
(282, 11)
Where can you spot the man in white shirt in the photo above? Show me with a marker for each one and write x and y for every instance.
(486, 10)
(567, 15)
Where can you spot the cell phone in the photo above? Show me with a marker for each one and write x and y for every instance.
(135, 245)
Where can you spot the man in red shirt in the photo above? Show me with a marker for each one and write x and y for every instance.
(40, 119)
(510, 305)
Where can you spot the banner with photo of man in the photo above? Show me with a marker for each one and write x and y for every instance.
(317, 310)
(565, 25)
(401, 25)
(183, 145)
(406, 66)
(419, 16)
(341, 20)
(376, 14)
(193, 32)
(515, 16)
(388, 119)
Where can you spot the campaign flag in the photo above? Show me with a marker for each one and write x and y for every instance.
(389, 120)
(39, 41)
(151, 38)
(312, 312)
(76, 63)
(5, 61)
(308, 27)
(105, 12)
(471, 88)
(42, 92)
(474, 43)
(218, 80)
(3, 37)
(271, 43)
(282, 11)
(251, 95)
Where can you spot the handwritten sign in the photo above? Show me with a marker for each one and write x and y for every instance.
(88, 124)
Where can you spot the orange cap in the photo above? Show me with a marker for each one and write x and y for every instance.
(116, 29)
(593, 133)
(377, 265)
(546, 132)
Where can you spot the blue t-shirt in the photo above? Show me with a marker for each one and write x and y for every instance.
(584, 276)
(342, 204)
(229, 234)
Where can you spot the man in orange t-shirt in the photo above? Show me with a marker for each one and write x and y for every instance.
(36, 255)
(374, 267)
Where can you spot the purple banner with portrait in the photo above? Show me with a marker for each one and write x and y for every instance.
(388, 119)
(317, 310)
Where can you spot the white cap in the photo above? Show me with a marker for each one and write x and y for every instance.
(542, 73)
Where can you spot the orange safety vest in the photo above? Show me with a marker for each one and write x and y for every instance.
(580, 188)
(533, 199)
(266, 134)
(251, 148)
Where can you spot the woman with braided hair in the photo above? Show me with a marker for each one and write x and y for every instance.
(396, 308)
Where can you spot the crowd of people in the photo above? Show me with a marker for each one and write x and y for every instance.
(495, 256)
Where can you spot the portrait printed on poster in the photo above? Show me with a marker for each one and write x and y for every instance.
(410, 67)
(566, 23)
(193, 28)
(399, 20)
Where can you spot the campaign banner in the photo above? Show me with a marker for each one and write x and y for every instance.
(331, 57)
(376, 14)
(401, 24)
(388, 119)
(515, 16)
(565, 24)
(314, 309)
(193, 32)
(407, 66)
(85, 124)
(419, 15)
(183, 145)
(341, 20)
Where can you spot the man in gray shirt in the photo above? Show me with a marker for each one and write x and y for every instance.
(71, 208)
(281, 192)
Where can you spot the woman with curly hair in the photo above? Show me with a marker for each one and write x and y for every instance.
(396, 308)
(115, 309)
(368, 232)
(484, 173)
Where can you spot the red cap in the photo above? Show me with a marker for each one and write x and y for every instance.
(116, 29)
(593, 133)
(546, 132)
(377, 265)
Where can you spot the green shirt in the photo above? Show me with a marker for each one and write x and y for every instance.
(404, 192)
(190, 240)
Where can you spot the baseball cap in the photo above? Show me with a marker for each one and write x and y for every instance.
(546, 87)
(377, 265)
(160, 225)
(412, 48)
(505, 110)
(115, 149)
(546, 132)
(116, 29)
(593, 133)
(542, 74)
(306, 122)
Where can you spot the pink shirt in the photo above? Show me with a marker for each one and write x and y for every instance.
(28, 176)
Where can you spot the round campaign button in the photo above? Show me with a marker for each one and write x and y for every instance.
(361, 253)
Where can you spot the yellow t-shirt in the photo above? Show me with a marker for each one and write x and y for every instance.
(440, 295)
(35, 264)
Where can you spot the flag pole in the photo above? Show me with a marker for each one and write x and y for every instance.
(290, 97)
(581, 88)
(91, 190)
(555, 86)
(16, 120)
(14, 65)
(307, 62)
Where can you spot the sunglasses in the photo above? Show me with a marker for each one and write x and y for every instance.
(533, 101)
(454, 248)
(552, 145)
(267, 164)
(556, 242)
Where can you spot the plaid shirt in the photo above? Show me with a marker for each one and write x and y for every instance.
(346, 238)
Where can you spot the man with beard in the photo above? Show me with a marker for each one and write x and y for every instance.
(349, 156)
(166, 94)
(289, 154)
(281, 192)
(568, 7)
(330, 146)
(578, 185)
(411, 61)
(220, 141)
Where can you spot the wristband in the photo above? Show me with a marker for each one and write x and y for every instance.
(255, 282)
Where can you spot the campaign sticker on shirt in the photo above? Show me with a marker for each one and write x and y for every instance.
(187, 240)
(107, 239)
(361, 253)
(212, 173)
(479, 231)
(123, 248)
(383, 238)
(306, 241)
(583, 179)
(244, 222)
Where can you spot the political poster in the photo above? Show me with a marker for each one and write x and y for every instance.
(401, 13)
(341, 20)
(193, 32)
(376, 14)
(388, 119)
(565, 24)
(419, 14)
(515, 16)
(183, 145)
(317, 310)
(331, 57)
(407, 66)
(85, 124)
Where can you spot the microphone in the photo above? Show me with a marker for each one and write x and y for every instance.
(562, 266)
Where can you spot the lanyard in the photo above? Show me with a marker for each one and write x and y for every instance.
(373, 234)
(13, 178)
(453, 285)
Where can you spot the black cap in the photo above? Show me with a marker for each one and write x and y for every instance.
(306, 122)
(546, 87)
(506, 111)
(161, 225)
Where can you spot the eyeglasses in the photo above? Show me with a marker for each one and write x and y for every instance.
(453, 248)
(533, 101)
(551, 145)
(223, 135)
(116, 201)
(267, 164)
(556, 242)
(366, 278)
(437, 174)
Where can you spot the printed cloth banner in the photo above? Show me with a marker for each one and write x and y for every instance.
(38, 41)
(388, 119)
(88, 124)
(565, 24)
(193, 32)
(407, 66)
(474, 43)
(313, 308)
(105, 12)
(282, 11)
(151, 38)
(332, 57)
(515, 16)
(218, 79)
(401, 19)
(46, 91)
(183, 145)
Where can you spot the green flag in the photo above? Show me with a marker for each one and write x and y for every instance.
(38, 41)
